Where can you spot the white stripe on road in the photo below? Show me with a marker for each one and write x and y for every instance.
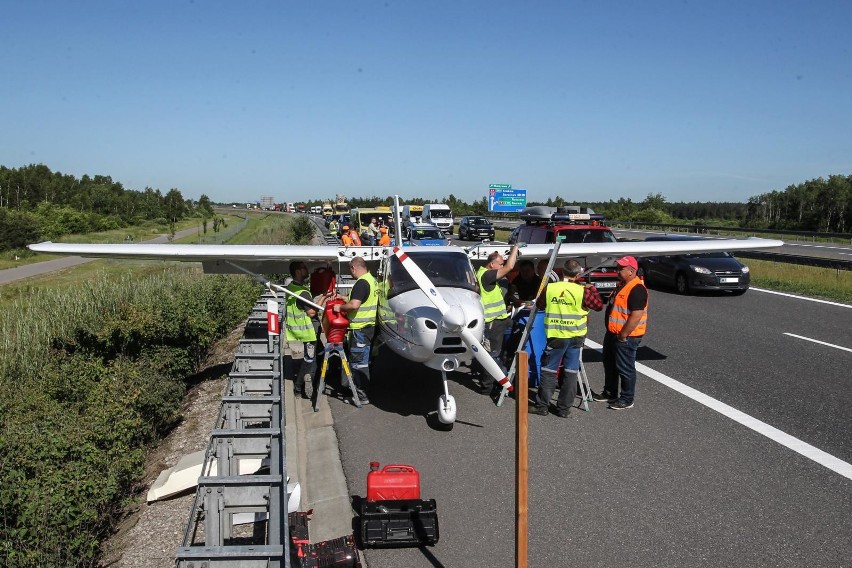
(825, 459)
(818, 341)
(801, 297)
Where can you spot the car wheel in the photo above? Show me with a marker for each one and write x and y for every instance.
(681, 283)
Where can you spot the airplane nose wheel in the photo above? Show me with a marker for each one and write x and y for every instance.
(446, 404)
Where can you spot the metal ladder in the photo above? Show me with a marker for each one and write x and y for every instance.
(335, 350)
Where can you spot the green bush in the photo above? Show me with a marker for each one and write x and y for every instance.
(88, 393)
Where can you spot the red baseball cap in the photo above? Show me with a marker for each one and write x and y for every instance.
(628, 261)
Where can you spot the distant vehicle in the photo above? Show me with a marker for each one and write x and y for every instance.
(341, 221)
(327, 210)
(340, 205)
(425, 235)
(543, 225)
(695, 272)
(411, 213)
(440, 215)
(475, 227)
(291, 208)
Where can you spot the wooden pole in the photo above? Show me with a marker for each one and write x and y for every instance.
(521, 460)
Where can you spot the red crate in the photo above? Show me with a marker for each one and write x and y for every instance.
(393, 482)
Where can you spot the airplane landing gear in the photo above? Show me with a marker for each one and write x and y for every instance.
(446, 404)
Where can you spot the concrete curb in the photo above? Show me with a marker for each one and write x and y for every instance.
(313, 458)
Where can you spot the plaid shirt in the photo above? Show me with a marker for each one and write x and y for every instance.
(592, 300)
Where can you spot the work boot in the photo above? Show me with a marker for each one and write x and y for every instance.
(540, 410)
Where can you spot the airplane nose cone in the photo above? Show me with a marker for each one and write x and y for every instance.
(454, 318)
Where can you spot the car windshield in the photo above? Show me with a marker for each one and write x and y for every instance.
(447, 269)
(477, 221)
(439, 213)
(426, 234)
(586, 236)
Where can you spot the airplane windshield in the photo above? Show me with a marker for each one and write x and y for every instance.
(443, 269)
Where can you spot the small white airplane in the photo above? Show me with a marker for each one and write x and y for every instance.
(429, 306)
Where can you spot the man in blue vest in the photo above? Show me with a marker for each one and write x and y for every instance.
(301, 332)
(497, 319)
(361, 308)
(567, 306)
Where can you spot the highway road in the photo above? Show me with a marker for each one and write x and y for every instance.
(699, 473)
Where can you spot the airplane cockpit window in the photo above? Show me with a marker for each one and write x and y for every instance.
(443, 269)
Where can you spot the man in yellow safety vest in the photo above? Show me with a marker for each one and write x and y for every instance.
(567, 305)
(494, 307)
(361, 308)
(301, 332)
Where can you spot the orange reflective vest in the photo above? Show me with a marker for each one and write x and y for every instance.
(619, 311)
(385, 240)
(346, 240)
(356, 240)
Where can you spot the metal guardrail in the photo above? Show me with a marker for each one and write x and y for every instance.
(250, 425)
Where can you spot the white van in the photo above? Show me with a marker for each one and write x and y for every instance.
(440, 215)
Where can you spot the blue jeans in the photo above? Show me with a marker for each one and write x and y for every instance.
(619, 361)
(565, 351)
(360, 343)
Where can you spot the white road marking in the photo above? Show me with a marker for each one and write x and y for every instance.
(800, 447)
(802, 297)
(818, 341)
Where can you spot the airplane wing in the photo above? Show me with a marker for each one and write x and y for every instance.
(219, 259)
(630, 248)
(267, 259)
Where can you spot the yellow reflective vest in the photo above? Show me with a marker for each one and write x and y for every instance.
(564, 315)
(365, 315)
(493, 303)
(299, 326)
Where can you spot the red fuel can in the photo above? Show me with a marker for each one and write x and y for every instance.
(392, 483)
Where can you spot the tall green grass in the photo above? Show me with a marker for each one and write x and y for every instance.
(90, 376)
(828, 283)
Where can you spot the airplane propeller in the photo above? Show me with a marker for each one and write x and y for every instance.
(453, 321)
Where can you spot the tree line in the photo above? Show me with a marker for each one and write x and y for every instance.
(37, 203)
(823, 205)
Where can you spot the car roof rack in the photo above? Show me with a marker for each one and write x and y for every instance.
(564, 215)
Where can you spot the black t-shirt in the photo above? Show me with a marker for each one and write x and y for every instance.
(360, 291)
(489, 279)
(637, 298)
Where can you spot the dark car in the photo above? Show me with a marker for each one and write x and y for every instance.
(474, 228)
(695, 272)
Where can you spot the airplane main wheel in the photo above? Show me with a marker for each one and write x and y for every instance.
(447, 409)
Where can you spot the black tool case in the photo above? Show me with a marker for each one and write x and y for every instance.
(399, 523)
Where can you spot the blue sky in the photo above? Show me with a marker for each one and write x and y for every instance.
(700, 101)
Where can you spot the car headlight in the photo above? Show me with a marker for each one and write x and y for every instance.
(699, 269)
(745, 269)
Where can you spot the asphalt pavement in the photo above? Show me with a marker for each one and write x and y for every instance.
(670, 482)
